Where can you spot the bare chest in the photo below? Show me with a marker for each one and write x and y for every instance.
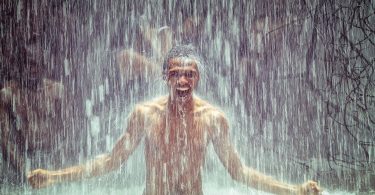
(170, 140)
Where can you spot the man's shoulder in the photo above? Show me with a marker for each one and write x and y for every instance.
(210, 115)
(203, 107)
(157, 104)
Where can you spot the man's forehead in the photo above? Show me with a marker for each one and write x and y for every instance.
(183, 61)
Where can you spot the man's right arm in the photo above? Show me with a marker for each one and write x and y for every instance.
(246, 175)
(103, 164)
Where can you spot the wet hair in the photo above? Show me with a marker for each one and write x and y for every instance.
(188, 51)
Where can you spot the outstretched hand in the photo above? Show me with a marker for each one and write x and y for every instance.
(40, 178)
(309, 188)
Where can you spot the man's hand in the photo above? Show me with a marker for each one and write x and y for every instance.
(309, 188)
(40, 178)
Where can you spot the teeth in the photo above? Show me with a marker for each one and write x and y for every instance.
(183, 88)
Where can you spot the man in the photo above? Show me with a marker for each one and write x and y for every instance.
(177, 130)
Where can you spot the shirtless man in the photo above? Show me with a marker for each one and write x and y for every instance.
(177, 130)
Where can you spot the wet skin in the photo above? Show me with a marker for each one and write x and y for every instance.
(177, 129)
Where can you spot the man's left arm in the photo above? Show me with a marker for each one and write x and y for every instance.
(241, 173)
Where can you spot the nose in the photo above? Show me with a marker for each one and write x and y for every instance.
(182, 80)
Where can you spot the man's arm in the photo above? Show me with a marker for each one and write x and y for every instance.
(103, 164)
(239, 172)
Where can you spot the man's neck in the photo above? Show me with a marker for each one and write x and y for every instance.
(180, 108)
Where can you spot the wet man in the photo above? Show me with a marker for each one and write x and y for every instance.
(177, 130)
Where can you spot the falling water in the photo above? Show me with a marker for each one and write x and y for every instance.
(295, 79)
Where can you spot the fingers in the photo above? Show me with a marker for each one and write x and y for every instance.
(38, 178)
(313, 188)
(33, 181)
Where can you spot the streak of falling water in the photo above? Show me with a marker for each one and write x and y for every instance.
(295, 78)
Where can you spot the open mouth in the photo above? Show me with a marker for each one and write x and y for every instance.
(183, 91)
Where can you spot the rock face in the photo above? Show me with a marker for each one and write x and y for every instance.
(297, 78)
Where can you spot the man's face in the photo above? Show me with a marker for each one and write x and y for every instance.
(183, 77)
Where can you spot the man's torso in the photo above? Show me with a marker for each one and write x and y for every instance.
(175, 147)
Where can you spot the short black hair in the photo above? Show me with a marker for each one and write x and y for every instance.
(181, 51)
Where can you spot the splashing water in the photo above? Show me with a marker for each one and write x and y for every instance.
(295, 78)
